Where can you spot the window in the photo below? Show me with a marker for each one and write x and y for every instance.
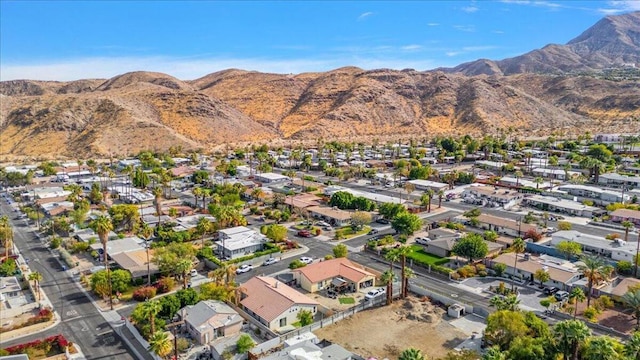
(283, 322)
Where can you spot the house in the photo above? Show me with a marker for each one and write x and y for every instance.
(443, 240)
(375, 197)
(209, 320)
(302, 201)
(504, 226)
(621, 215)
(492, 196)
(274, 304)
(271, 178)
(562, 273)
(338, 273)
(441, 247)
(239, 241)
(182, 171)
(334, 216)
(490, 165)
(619, 180)
(596, 194)
(304, 346)
(137, 262)
(558, 174)
(425, 185)
(617, 249)
(191, 221)
(549, 203)
(621, 287)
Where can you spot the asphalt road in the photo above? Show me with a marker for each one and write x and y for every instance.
(80, 322)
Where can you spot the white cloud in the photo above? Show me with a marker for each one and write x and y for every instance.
(193, 68)
(470, 9)
(433, 24)
(453, 53)
(620, 6)
(545, 4)
(479, 48)
(364, 15)
(411, 47)
(465, 28)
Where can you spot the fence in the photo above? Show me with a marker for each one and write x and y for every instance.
(136, 343)
(448, 300)
(268, 333)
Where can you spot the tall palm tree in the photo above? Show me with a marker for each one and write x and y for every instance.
(157, 202)
(578, 296)
(601, 348)
(160, 344)
(36, 277)
(517, 247)
(387, 278)
(632, 346)
(183, 267)
(150, 309)
(632, 300)
(626, 225)
(203, 227)
(430, 193)
(102, 225)
(403, 252)
(145, 231)
(197, 192)
(569, 335)
(6, 235)
(391, 256)
(440, 195)
(593, 268)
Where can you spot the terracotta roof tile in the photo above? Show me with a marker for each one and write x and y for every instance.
(268, 298)
(329, 269)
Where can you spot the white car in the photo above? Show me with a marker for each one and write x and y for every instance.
(194, 272)
(422, 241)
(244, 268)
(306, 260)
(372, 294)
(270, 261)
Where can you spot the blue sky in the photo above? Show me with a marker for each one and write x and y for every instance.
(58, 40)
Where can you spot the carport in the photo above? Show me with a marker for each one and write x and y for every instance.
(339, 285)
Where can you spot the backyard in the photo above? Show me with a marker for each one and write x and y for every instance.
(391, 329)
(421, 256)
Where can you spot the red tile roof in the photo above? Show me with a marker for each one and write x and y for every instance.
(330, 269)
(268, 298)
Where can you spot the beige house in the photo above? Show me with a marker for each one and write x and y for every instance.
(337, 273)
(504, 226)
(562, 273)
(273, 303)
(333, 216)
(209, 320)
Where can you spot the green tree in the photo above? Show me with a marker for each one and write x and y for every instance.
(390, 210)
(150, 309)
(160, 344)
(632, 301)
(504, 326)
(569, 249)
(499, 268)
(340, 251)
(626, 225)
(387, 278)
(244, 344)
(125, 216)
(569, 336)
(341, 200)
(120, 280)
(276, 233)
(490, 235)
(95, 195)
(305, 317)
(518, 246)
(602, 348)
(36, 277)
(360, 219)
(102, 225)
(526, 348)
(471, 246)
(542, 276)
(564, 225)
(593, 269)
(632, 346)
(411, 354)
(183, 266)
(403, 252)
(577, 295)
(509, 302)
(406, 223)
(494, 353)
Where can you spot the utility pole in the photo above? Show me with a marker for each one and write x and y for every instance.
(173, 327)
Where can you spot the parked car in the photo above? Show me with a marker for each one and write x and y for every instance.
(383, 221)
(304, 233)
(327, 228)
(373, 231)
(561, 295)
(372, 294)
(551, 290)
(306, 260)
(270, 261)
(422, 241)
(244, 268)
(322, 223)
(194, 272)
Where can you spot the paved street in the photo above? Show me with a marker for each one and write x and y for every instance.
(81, 322)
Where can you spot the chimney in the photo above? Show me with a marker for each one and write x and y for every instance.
(276, 284)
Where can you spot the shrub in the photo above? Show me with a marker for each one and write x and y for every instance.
(79, 247)
(467, 271)
(455, 276)
(481, 267)
(138, 282)
(144, 293)
(165, 284)
(591, 313)
(442, 270)
(55, 242)
(603, 302)
(482, 273)
(295, 264)
(183, 344)
(499, 268)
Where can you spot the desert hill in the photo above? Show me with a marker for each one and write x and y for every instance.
(146, 110)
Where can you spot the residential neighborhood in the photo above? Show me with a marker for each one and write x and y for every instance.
(264, 252)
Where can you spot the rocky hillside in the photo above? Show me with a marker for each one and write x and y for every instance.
(145, 110)
(612, 42)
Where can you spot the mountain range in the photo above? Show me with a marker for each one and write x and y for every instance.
(559, 88)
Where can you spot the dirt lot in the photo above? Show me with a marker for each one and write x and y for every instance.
(384, 332)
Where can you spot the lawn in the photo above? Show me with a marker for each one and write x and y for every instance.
(347, 231)
(420, 255)
(347, 300)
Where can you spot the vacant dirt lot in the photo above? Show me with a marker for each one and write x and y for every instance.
(384, 332)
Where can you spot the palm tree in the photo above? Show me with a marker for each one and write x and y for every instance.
(203, 227)
(601, 348)
(440, 195)
(570, 334)
(511, 303)
(632, 300)
(387, 278)
(517, 247)
(145, 231)
(518, 174)
(160, 344)
(538, 180)
(102, 225)
(391, 256)
(430, 193)
(632, 347)
(403, 252)
(183, 267)
(578, 296)
(150, 309)
(409, 188)
(157, 202)
(36, 277)
(257, 194)
(197, 192)
(626, 225)
(6, 235)
(592, 268)
(411, 354)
